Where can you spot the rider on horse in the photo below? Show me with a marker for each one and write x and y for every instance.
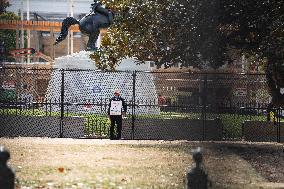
(98, 8)
(94, 23)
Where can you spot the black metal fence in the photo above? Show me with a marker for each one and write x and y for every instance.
(161, 105)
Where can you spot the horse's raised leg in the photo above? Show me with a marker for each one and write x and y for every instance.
(66, 23)
(91, 45)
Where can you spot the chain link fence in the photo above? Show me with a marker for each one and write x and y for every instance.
(161, 105)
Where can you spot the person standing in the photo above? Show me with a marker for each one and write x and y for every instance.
(161, 100)
(116, 109)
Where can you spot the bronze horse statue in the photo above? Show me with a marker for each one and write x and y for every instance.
(94, 23)
(275, 82)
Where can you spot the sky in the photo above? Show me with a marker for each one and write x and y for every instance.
(51, 6)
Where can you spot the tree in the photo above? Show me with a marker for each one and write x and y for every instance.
(130, 35)
(193, 38)
(167, 32)
(3, 5)
(7, 36)
(196, 32)
(255, 27)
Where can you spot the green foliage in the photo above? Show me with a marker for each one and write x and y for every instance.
(3, 5)
(254, 26)
(196, 33)
(8, 36)
(9, 16)
(233, 123)
(131, 34)
(104, 58)
(7, 95)
(97, 126)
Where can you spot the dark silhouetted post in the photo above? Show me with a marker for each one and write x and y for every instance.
(196, 177)
(7, 177)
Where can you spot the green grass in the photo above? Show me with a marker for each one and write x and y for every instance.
(233, 123)
(97, 125)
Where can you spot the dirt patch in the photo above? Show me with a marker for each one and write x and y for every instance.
(68, 163)
(267, 159)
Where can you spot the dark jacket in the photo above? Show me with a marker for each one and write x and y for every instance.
(119, 98)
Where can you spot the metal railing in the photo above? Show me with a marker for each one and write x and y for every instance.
(195, 106)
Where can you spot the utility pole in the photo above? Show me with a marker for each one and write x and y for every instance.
(68, 36)
(71, 32)
(70, 12)
(28, 31)
(22, 44)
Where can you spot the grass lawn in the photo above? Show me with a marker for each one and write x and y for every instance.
(68, 163)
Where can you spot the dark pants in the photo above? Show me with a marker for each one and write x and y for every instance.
(115, 119)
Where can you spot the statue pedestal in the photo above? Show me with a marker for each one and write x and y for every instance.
(87, 90)
(78, 60)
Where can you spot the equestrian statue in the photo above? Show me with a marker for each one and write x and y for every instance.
(95, 23)
(275, 82)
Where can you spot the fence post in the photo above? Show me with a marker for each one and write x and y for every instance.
(204, 107)
(278, 119)
(196, 178)
(7, 176)
(62, 103)
(133, 104)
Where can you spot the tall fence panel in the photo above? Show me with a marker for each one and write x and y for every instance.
(174, 111)
(161, 105)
